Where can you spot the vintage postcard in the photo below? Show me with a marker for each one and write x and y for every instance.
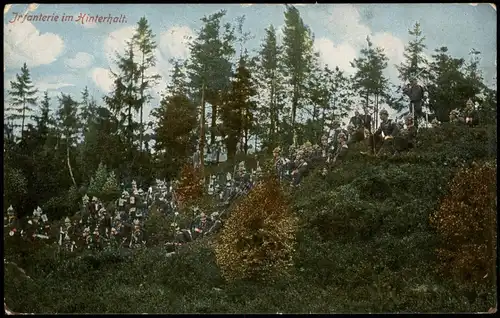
(250, 158)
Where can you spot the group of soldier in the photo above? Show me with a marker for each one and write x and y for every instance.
(391, 138)
(121, 224)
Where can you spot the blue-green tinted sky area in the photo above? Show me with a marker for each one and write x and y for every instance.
(67, 56)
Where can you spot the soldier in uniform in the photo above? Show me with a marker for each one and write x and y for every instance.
(470, 114)
(356, 121)
(406, 139)
(416, 94)
(367, 119)
(456, 117)
(279, 163)
(435, 123)
(300, 168)
(137, 238)
(388, 128)
(11, 216)
(342, 148)
(120, 204)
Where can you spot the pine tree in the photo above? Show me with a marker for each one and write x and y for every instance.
(44, 121)
(445, 79)
(110, 189)
(415, 62)
(210, 69)
(237, 111)
(88, 110)
(126, 96)
(474, 81)
(298, 42)
(369, 78)
(176, 123)
(22, 98)
(68, 125)
(144, 40)
(98, 181)
(271, 81)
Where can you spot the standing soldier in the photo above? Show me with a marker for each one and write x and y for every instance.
(416, 94)
(279, 163)
(367, 120)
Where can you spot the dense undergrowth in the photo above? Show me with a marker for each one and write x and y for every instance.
(365, 244)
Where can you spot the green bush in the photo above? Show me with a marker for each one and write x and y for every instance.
(364, 244)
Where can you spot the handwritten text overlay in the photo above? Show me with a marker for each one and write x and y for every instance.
(82, 18)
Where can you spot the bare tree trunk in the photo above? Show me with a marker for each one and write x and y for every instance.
(142, 103)
(22, 124)
(69, 164)
(202, 128)
(294, 114)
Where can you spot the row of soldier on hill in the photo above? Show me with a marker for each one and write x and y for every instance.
(122, 223)
(391, 137)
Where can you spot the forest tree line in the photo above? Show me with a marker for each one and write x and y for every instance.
(279, 94)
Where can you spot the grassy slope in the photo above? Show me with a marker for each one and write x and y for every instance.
(364, 246)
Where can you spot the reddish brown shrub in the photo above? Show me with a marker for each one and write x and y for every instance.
(466, 224)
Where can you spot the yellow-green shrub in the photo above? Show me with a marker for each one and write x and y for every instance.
(258, 238)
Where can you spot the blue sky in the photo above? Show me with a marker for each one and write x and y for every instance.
(66, 56)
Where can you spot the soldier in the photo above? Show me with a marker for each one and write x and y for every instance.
(367, 120)
(388, 128)
(120, 204)
(406, 139)
(356, 121)
(300, 168)
(11, 216)
(216, 223)
(137, 238)
(435, 123)
(279, 163)
(342, 148)
(456, 117)
(200, 225)
(326, 149)
(470, 114)
(416, 94)
(65, 241)
(132, 205)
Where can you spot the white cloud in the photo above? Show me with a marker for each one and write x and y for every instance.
(81, 60)
(51, 86)
(344, 20)
(24, 43)
(175, 41)
(331, 55)
(103, 79)
(393, 48)
(116, 42)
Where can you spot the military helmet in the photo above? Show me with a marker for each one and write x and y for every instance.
(383, 111)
